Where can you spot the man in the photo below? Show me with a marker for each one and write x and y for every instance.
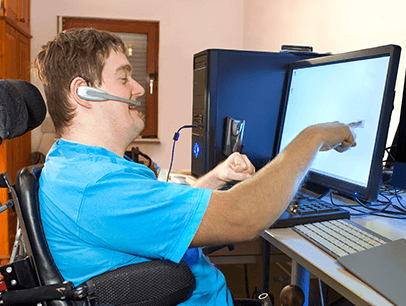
(101, 211)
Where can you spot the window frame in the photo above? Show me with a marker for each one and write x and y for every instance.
(151, 28)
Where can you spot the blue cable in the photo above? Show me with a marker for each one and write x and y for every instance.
(175, 139)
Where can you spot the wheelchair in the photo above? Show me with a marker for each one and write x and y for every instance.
(31, 276)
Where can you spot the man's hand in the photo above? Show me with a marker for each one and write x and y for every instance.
(237, 167)
(336, 135)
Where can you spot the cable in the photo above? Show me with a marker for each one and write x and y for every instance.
(383, 212)
(388, 206)
(375, 209)
(372, 210)
(247, 291)
(390, 158)
(321, 292)
(175, 139)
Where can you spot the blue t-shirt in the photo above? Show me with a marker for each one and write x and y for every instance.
(101, 211)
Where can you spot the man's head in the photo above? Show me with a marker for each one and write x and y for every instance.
(73, 53)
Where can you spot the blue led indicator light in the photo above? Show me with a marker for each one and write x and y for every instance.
(196, 150)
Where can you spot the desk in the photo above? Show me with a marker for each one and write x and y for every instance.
(306, 257)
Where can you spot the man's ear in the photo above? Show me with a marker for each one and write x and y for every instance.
(74, 85)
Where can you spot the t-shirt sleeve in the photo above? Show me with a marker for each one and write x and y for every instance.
(141, 216)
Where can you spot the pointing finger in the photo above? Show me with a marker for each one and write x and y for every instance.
(358, 124)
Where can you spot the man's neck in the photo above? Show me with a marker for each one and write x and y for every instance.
(105, 140)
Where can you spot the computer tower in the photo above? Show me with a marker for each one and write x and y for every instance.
(245, 85)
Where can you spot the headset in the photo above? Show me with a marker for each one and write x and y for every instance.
(94, 94)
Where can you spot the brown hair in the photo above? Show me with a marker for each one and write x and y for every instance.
(73, 53)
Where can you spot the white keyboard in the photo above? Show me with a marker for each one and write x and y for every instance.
(340, 237)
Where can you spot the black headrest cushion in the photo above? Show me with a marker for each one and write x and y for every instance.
(22, 108)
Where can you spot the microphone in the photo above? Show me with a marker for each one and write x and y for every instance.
(94, 94)
(22, 108)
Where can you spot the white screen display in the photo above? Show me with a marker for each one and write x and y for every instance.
(345, 92)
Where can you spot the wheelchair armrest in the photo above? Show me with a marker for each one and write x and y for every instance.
(157, 282)
(38, 294)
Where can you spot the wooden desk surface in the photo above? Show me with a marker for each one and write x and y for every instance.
(327, 268)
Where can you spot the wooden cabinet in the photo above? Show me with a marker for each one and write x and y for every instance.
(14, 64)
(17, 11)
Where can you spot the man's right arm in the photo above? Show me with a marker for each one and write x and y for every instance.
(246, 210)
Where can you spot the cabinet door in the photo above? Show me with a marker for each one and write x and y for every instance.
(23, 15)
(24, 58)
(10, 55)
(10, 9)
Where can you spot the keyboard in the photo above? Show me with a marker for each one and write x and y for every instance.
(340, 237)
(305, 209)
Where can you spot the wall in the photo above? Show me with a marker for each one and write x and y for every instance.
(189, 26)
(329, 26)
(186, 27)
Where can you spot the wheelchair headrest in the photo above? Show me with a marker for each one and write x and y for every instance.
(22, 108)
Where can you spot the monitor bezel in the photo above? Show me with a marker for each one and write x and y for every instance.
(347, 189)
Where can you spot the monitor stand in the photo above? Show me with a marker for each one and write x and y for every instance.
(316, 190)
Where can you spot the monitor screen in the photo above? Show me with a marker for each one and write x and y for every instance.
(344, 87)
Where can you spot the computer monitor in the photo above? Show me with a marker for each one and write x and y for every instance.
(345, 87)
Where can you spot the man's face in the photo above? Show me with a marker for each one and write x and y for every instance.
(117, 80)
